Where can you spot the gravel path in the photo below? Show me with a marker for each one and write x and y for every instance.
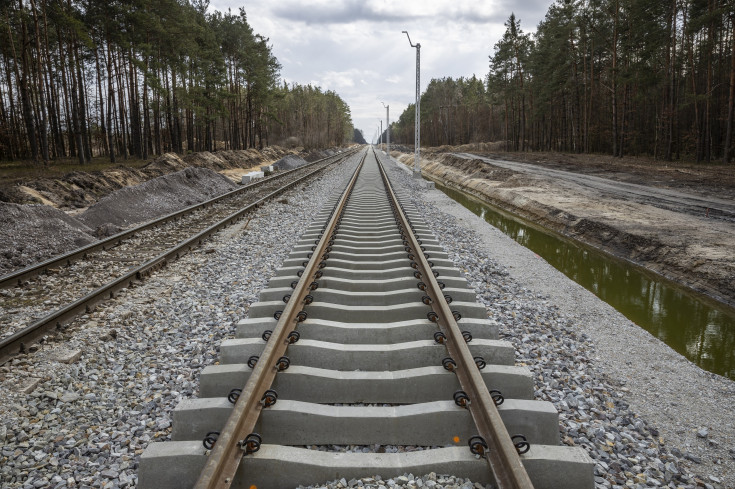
(130, 361)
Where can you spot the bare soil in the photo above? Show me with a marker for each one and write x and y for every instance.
(80, 189)
(675, 219)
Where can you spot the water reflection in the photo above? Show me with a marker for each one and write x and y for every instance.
(695, 327)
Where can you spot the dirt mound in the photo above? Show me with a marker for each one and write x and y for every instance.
(289, 163)
(476, 168)
(156, 197)
(166, 163)
(241, 158)
(32, 233)
(77, 189)
(319, 154)
(81, 189)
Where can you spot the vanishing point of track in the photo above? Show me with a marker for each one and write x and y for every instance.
(77, 280)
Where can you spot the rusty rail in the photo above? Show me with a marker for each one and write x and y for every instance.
(501, 454)
(223, 462)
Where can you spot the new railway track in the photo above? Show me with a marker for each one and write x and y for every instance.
(52, 293)
(367, 335)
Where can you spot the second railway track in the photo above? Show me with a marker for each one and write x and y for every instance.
(53, 292)
(368, 335)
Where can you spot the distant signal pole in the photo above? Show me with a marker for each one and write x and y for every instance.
(417, 130)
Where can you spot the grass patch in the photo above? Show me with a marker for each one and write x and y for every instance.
(18, 171)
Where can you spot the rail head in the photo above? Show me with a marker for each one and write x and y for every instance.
(501, 454)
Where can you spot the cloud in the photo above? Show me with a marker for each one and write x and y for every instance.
(351, 11)
(356, 48)
(336, 80)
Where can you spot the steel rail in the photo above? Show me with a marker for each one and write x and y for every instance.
(502, 457)
(18, 341)
(17, 277)
(228, 451)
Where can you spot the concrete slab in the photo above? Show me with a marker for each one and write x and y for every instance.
(339, 312)
(392, 245)
(253, 175)
(170, 465)
(369, 313)
(27, 385)
(369, 333)
(401, 270)
(311, 384)
(291, 422)
(407, 281)
(336, 296)
(64, 355)
(338, 356)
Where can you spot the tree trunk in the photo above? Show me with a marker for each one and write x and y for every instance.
(43, 122)
(731, 102)
(103, 127)
(177, 136)
(110, 104)
(14, 137)
(84, 148)
(121, 107)
(615, 80)
(22, 81)
(133, 105)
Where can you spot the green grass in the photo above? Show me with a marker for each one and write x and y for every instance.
(17, 171)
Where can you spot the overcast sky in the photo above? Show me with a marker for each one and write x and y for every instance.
(356, 48)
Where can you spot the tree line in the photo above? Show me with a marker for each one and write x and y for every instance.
(81, 78)
(598, 76)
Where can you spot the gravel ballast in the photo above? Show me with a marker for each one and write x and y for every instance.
(23, 225)
(156, 197)
(133, 359)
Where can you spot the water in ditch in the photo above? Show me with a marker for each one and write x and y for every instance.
(695, 326)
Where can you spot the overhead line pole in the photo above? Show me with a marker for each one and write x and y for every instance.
(387, 128)
(417, 130)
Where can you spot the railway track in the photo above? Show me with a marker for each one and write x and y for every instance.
(367, 336)
(52, 293)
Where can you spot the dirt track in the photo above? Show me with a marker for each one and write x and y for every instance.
(679, 222)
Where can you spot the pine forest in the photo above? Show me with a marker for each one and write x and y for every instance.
(618, 77)
(136, 78)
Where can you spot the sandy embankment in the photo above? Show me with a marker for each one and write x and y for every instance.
(695, 251)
